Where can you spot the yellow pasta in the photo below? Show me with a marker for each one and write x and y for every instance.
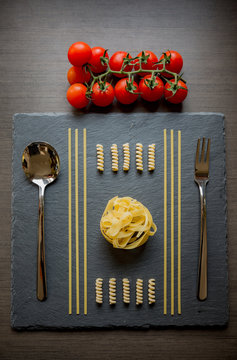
(139, 159)
(126, 291)
(112, 291)
(99, 290)
(100, 157)
(151, 291)
(139, 292)
(126, 223)
(151, 157)
(114, 153)
(126, 157)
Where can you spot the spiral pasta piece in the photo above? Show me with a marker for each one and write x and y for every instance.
(126, 223)
(139, 157)
(99, 290)
(100, 157)
(126, 291)
(139, 292)
(151, 291)
(112, 291)
(151, 157)
(126, 157)
(114, 153)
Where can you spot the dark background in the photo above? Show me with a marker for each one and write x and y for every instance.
(34, 39)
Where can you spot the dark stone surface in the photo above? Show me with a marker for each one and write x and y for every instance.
(103, 260)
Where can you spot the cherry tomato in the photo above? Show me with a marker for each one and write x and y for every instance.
(122, 94)
(180, 94)
(95, 61)
(78, 74)
(76, 96)
(79, 53)
(102, 97)
(150, 62)
(116, 62)
(175, 63)
(153, 93)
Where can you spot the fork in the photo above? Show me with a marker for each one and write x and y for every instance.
(201, 177)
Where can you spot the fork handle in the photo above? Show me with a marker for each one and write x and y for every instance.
(202, 268)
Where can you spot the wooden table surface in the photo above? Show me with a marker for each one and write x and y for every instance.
(34, 39)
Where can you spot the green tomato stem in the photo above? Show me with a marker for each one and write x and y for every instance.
(133, 72)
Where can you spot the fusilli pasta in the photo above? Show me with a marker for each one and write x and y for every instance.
(99, 290)
(139, 292)
(100, 157)
(151, 291)
(126, 157)
(114, 154)
(112, 291)
(126, 291)
(151, 157)
(139, 158)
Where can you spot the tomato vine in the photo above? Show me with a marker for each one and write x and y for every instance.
(138, 60)
(89, 76)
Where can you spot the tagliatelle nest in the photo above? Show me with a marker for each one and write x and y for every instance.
(126, 223)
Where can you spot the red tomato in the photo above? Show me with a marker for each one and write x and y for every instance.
(116, 62)
(175, 63)
(102, 97)
(79, 53)
(95, 61)
(78, 74)
(150, 62)
(122, 94)
(151, 93)
(76, 96)
(180, 94)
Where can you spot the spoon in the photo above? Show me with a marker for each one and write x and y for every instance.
(41, 164)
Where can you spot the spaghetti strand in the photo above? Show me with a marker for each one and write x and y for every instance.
(172, 217)
(69, 223)
(179, 222)
(85, 220)
(165, 221)
(77, 222)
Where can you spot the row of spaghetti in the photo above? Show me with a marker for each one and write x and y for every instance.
(126, 157)
(151, 291)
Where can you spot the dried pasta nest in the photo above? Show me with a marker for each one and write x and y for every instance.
(126, 223)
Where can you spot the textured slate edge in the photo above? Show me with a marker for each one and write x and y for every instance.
(226, 228)
(12, 221)
(111, 326)
(113, 113)
(114, 327)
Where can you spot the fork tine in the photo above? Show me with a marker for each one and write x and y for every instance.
(208, 151)
(197, 151)
(203, 149)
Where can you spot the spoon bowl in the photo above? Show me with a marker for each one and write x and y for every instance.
(40, 161)
(41, 165)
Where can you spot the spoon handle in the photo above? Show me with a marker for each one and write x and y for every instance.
(41, 267)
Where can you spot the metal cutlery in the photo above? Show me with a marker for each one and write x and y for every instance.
(201, 177)
(41, 164)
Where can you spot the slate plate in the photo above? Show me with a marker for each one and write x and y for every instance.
(103, 260)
